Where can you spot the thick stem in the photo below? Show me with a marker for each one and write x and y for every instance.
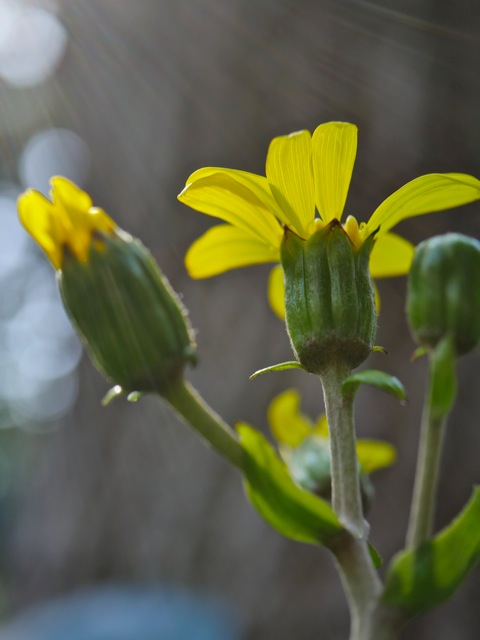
(346, 497)
(203, 419)
(423, 503)
(361, 582)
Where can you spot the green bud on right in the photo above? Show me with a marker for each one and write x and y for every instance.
(444, 292)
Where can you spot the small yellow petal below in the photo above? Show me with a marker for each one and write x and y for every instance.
(288, 425)
(426, 194)
(37, 214)
(225, 247)
(289, 172)
(240, 198)
(334, 146)
(375, 454)
(276, 291)
(391, 255)
(321, 427)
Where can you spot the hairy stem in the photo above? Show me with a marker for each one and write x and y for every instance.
(205, 421)
(361, 582)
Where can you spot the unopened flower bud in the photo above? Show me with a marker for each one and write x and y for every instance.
(329, 299)
(131, 320)
(444, 292)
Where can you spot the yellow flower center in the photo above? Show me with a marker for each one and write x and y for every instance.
(355, 231)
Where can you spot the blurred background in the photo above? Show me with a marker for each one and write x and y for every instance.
(126, 99)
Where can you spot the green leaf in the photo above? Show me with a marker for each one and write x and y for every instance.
(375, 556)
(379, 379)
(443, 381)
(423, 578)
(293, 512)
(283, 366)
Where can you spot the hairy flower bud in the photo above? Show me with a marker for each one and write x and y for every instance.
(444, 292)
(126, 312)
(329, 299)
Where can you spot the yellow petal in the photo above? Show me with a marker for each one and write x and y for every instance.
(71, 197)
(289, 172)
(276, 291)
(334, 150)
(225, 247)
(375, 454)
(391, 255)
(243, 199)
(433, 192)
(37, 215)
(288, 425)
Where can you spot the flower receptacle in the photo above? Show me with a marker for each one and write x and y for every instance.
(132, 322)
(329, 299)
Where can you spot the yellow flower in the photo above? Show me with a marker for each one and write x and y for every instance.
(305, 174)
(67, 222)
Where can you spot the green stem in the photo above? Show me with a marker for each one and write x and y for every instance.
(426, 477)
(439, 401)
(361, 581)
(346, 497)
(205, 421)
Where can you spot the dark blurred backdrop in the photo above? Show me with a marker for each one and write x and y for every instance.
(127, 98)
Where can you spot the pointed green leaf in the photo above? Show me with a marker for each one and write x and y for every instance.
(423, 578)
(375, 556)
(379, 379)
(283, 366)
(293, 512)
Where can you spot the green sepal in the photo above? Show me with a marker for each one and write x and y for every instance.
(378, 349)
(380, 379)
(443, 379)
(293, 512)
(423, 578)
(282, 366)
(375, 556)
(111, 394)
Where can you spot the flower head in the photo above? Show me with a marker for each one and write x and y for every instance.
(67, 222)
(132, 322)
(305, 188)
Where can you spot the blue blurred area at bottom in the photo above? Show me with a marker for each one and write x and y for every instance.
(122, 612)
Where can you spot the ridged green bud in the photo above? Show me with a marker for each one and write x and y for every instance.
(444, 292)
(127, 314)
(329, 299)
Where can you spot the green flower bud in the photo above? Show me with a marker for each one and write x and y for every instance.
(309, 465)
(444, 292)
(329, 300)
(126, 312)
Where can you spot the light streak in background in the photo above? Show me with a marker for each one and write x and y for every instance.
(39, 351)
